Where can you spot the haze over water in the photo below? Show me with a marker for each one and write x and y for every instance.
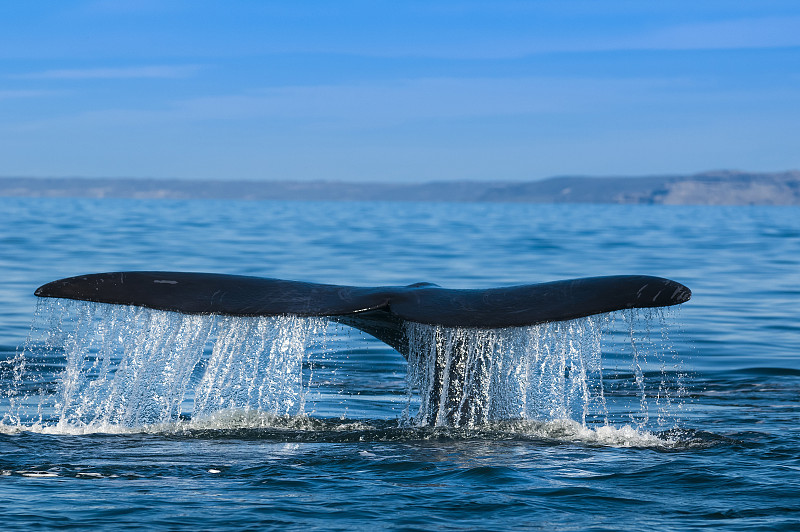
(680, 420)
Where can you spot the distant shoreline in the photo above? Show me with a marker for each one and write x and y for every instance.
(707, 188)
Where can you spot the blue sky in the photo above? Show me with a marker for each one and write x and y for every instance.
(406, 91)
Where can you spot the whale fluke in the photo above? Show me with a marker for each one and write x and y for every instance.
(379, 311)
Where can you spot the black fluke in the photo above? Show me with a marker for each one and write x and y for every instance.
(378, 311)
(382, 311)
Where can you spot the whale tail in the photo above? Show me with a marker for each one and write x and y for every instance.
(378, 311)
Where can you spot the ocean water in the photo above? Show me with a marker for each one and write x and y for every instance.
(676, 419)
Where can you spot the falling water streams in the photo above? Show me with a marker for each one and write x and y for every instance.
(103, 366)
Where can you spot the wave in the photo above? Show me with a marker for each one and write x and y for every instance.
(262, 426)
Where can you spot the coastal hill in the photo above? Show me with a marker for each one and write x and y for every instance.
(708, 188)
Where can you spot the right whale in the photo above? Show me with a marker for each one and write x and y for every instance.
(379, 311)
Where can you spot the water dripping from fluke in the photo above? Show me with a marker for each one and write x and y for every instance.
(100, 365)
(97, 367)
(470, 377)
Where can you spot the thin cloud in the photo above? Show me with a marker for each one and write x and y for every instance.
(352, 107)
(153, 72)
(386, 105)
(768, 32)
(728, 34)
(12, 94)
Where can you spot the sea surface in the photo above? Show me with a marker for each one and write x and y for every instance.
(678, 419)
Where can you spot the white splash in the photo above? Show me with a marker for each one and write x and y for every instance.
(90, 367)
(547, 372)
(109, 365)
(256, 363)
(468, 377)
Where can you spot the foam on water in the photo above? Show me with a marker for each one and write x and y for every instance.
(90, 367)
(252, 425)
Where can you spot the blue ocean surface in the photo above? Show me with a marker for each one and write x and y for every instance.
(677, 419)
